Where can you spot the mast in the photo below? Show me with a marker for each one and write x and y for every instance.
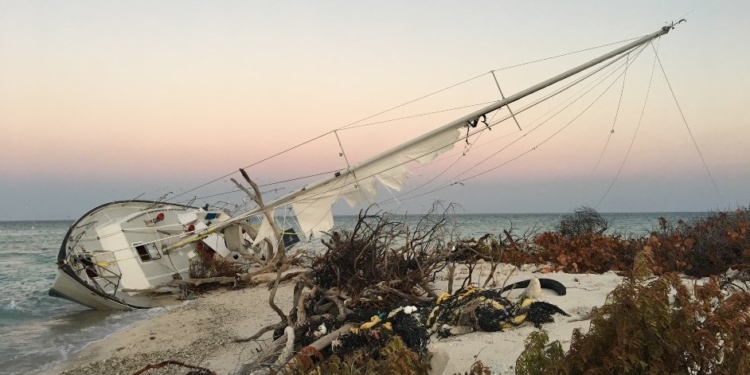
(452, 126)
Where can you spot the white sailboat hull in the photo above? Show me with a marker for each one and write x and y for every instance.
(115, 255)
(73, 289)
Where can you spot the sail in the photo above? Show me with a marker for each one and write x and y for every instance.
(265, 231)
(359, 184)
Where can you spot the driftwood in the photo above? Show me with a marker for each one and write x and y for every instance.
(200, 370)
(284, 360)
(362, 268)
(257, 198)
(288, 351)
(268, 355)
(329, 338)
(357, 261)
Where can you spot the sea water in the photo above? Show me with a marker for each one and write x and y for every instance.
(37, 331)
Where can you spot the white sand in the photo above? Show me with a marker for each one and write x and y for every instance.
(499, 350)
(201, 332)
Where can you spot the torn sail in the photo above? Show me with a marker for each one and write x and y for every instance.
(358, 185)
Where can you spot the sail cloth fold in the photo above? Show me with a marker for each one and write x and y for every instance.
(266, 231)
(313, 210)
(358, 185)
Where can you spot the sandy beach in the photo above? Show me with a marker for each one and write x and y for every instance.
(202, 332)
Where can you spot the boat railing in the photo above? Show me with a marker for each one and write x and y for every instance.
(106, 270)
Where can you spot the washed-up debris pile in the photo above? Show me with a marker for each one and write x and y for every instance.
(467, 310)
(374, 285)
(476, 309)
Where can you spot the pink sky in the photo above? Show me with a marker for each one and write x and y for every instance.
(120, 93)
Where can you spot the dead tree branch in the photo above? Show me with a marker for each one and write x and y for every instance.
(202, 370)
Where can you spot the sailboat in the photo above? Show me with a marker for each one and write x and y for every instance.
(117, 251)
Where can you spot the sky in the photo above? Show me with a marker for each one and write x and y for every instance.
(102, 101)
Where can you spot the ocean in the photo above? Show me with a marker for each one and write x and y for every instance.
(39, 331)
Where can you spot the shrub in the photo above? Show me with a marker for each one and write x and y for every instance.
(708, 246)
(705, 247)
(655, 327)
(393, 358)
(588, 252)
(583, 220)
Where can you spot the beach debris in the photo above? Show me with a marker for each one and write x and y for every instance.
(486, 310)
(535, 290)
(469, 309)
(382, 261)
(373, 285)
(736, 279)
(195, 370)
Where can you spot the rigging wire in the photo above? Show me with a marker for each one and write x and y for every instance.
(344, 183)
(352, 125)
(538, 101)
(542, 123)
(638, 126)
(684, 120)
(587, 89)
(614, 122)
(391, 109)
(565, 54)
(557, 92)
(261, 185)
(413, 101)
(253, 164)
(417, 115)
(546, 139)
(460, 182)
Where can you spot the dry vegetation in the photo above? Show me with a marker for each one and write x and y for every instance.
(367, 305)
(707, 247)
(658, 326)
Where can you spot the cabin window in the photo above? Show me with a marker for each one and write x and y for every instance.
(147, 252)
(143, 253)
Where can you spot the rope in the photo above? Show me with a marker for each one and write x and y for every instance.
(614, 122)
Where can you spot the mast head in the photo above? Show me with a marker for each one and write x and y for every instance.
(672, 25)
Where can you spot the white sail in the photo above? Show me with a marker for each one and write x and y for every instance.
(359, 185)
(314, 209)
(265, 231)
